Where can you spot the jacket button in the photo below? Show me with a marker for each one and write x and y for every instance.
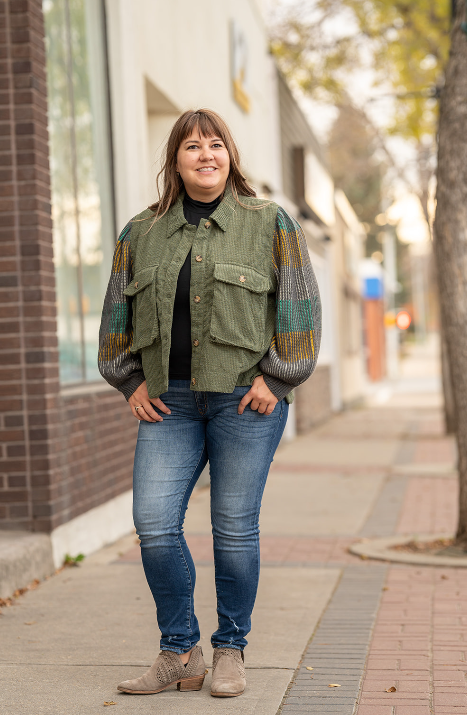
(193, 381)
(196, 343)
(207, 224)
(242, 279)
(197, 299)
(199, 259)
(136, 284)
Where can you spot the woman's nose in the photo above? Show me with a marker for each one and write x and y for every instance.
(206, 154)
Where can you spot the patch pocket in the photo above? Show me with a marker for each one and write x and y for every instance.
(239, 306)
(142, 291)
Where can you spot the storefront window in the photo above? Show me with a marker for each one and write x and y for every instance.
(80, 162)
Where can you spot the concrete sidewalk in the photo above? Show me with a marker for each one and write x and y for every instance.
(376, 471)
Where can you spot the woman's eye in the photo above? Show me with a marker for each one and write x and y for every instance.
(217, 146)
(193, 146)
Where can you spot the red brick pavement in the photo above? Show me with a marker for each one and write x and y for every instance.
(435, 451)
(430, 506)
(419, 645)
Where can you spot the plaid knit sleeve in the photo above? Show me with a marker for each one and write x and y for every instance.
(121, 368)
(293, 352)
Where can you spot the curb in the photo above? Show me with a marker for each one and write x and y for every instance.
(24, 557)
(381, 550)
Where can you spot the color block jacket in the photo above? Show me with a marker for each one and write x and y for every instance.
(255, 306)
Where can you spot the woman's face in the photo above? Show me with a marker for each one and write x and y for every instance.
(204, 164)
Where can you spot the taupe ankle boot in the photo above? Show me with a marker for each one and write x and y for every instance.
(167, 670)
(228, 673)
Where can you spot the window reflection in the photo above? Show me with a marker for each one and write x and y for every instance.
(81, 188)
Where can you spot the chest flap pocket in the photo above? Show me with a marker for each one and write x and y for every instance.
(142, 291)
(239, 306)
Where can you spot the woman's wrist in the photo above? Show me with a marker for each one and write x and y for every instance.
(279, 388)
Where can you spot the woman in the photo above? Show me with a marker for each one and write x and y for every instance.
(212, 316)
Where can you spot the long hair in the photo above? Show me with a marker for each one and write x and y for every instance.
(209, 124)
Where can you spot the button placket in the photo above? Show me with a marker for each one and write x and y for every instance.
(197, 295)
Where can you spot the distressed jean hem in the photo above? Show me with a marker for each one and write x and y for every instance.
(178, 651)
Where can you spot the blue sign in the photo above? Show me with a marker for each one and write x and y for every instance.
(373, 288)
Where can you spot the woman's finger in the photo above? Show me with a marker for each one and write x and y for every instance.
(161, 406)
(149, 413)
(246, 399)
(134, 411)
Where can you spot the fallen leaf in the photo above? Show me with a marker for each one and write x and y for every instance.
(392, 689)
(363, 556)
(309, 667)
(445, 577)
(385, 588)
(311, 677)
(334, 685)
(109, 702)
(29, 623)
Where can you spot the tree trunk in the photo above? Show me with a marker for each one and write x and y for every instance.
(450, 421)
(450, 234)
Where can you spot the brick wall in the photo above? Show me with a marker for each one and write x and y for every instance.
(59, 455)
(97, 437)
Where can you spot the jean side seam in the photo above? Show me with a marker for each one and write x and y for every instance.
(178, 538)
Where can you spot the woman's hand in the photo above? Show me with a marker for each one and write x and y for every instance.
(260, 398)
(145, 411)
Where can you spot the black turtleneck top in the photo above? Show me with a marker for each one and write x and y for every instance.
(180, 350)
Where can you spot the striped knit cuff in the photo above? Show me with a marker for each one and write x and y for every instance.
(132, 384)
(279, 388)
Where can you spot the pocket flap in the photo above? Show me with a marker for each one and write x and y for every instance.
(140, 280)
(242, 276)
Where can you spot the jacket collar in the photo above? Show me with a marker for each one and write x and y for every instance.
(222, 215)
(224, 211)
(175, 216)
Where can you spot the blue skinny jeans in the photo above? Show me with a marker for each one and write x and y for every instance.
(169, 459)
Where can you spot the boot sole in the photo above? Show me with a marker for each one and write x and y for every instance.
(183, 685)
(227, 695)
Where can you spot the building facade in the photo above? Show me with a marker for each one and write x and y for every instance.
(334, 237)
(88, 92)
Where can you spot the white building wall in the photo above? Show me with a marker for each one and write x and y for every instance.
(166, 57)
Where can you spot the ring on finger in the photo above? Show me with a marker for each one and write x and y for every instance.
(137, 408)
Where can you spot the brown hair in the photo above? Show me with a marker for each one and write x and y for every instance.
(209, 124)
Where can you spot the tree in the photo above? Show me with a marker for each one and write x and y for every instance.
(450, 239)
(355, 168)
(405, 43)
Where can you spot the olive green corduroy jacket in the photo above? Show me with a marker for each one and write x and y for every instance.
(232, 292)
(255, 306)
